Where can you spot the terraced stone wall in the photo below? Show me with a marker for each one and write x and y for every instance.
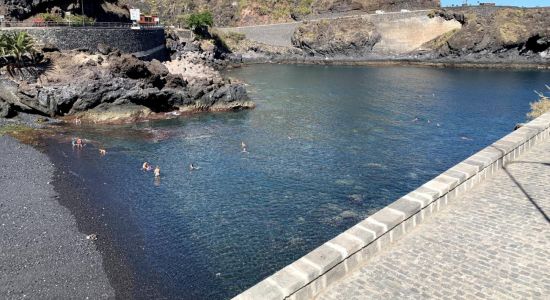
(126, 40)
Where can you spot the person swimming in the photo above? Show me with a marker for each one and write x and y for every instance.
(157, 172)
(79, 143)
(243, 145)
(102, 152)
(192, 167)
(146, 167)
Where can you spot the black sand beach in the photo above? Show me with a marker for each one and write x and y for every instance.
(43, 255)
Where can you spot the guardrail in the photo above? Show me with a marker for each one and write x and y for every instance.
(33, 24)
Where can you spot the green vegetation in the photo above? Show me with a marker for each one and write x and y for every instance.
(302, 8)
(49, 17)
(199, 23)
(16, 51)
(541, 106)
(73, 19)
(78, 20)
(228, 41)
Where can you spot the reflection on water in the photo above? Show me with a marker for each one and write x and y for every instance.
(326, 147)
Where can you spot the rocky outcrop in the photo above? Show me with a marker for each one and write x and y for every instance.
(101, 10)
(252, 12)
(116, 87)
(506, 33)
(349, 37)
(338, 6)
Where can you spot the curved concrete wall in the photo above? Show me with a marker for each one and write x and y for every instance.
(126, 40)
(332, 261)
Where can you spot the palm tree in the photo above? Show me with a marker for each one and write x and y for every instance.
(17, 46)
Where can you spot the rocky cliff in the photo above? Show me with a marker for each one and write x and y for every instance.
(101, 10)
(507, 33)
(332, 38)
(475, 35)
(249, 12)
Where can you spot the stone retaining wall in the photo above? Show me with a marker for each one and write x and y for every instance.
(126, 40)
(332, 261)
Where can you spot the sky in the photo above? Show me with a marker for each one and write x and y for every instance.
(528, 3)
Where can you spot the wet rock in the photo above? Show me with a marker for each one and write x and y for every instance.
(7, 110)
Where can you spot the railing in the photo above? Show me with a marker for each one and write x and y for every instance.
(34, 24)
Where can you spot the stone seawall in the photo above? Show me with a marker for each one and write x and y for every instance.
(125, 39)
(307, 277)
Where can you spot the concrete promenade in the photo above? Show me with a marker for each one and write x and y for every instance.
(492, 242)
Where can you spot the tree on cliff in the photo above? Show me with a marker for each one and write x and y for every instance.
(199, 23)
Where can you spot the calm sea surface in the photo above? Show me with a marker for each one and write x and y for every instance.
(327, 147)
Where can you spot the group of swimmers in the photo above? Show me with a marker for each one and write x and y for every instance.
(147, 167)
(78, 143)
(192, 167)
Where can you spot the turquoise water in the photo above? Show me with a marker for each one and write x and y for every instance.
(327, 146)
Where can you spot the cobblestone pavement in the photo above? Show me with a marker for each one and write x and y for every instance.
(492, 243)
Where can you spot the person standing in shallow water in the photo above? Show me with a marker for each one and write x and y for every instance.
(157, 172)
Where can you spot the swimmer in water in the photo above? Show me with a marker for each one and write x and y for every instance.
(192, 167)
(157, 172)
(102, 152)
(243, 145)
(145, 166)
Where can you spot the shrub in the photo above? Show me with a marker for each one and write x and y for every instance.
(49, 17)
(199, 23)
(78, 19)
(541, 106)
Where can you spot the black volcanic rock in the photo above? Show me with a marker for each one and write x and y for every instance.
(352, 37)
(101, 10)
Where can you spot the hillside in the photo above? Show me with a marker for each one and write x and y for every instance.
(101, 10)
(247, 12)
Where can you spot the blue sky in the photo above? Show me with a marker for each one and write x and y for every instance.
(530, 3)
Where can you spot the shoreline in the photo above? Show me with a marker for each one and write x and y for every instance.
(76, 197)
(45, 252)
(397, 63)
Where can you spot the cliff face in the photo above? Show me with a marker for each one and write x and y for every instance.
(508, 32)
(249, 12)
(340, 37)
(101, 10)
(323, 6)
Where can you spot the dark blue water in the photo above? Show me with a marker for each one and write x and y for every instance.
(327, 147)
